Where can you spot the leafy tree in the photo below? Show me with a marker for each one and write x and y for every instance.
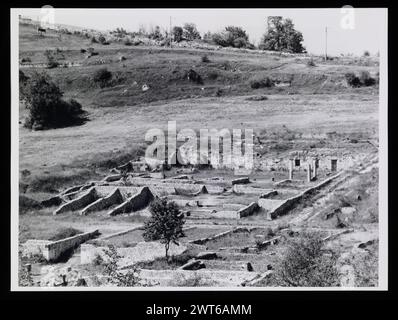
(232, 37)
(165, 223)
(237, 32)
(190, 32)
(306, 263)
(43, 99)
(177, 33)
(281, 36)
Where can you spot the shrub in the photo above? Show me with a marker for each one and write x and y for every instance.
(193, 76)
(43, 99)
(219, 39)
(306, 263)
(231, 37)
(190, 32)
(128, 42)
(165, 223)
(23, 79)
(130, 278)
(212, 75)
(102, 77)
(352, 80)
(205, 58)
(311, 63)
(260, 82)
(94, 39)
(26, 204)
(51, 59)
(240, 43)
(24, 60)
(366, 53)
(177, 33)
(25, 278)
(102, 39)
(366, 79)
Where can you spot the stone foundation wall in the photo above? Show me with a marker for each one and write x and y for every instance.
(79, 202)
(138, 201)
(114, 197)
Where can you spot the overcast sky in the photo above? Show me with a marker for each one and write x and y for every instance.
(311, 22)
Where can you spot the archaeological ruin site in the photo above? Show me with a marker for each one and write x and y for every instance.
(305, 215)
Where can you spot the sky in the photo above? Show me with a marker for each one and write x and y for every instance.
(351, 31)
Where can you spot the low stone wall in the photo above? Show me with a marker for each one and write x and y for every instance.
(78, 203)
(143, 251)
(291, 202)
(34, 247)
(114, 197)
(222, 234)
(248, 210)
(202, 277)
(225, 214)
(268, 194)
(120, 233)
(55, 249)
(138, 201)
(243, 180)
(190, 190)
(113, 177)
(243, 189)
(52, 250)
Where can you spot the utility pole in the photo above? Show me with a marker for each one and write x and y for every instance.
(326, 43)
(170, 34)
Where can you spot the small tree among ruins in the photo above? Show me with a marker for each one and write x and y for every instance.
(165, 224)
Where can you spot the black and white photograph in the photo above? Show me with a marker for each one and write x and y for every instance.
(199, 149)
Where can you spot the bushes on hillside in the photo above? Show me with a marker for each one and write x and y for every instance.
(352, 79)
(102, 77)
(232, 37)
(205, 58)
(128, 42)
(47, 109)
(102, 39)
(366, 79)
(190, 32)
(260, 81)
(363, 80)
(311, 63)
(51, 59)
